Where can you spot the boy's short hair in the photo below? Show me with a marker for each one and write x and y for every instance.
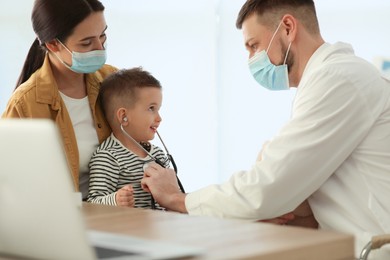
(120, 90)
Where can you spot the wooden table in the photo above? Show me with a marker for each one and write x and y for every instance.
(221, 239)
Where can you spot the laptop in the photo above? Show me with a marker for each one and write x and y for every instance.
(39, 216)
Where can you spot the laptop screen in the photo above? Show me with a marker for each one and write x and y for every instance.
(39, 216)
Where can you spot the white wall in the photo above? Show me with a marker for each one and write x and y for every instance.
(215, 117)
(16, 37)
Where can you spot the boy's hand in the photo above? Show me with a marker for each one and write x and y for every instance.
(125, 196)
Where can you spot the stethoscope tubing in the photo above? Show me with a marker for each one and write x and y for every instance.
(170, 158)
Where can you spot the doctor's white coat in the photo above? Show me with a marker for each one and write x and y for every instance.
(335, 151)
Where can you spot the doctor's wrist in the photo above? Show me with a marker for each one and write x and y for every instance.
(177, 202)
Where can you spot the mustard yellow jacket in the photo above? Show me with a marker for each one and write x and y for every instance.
(39, 97)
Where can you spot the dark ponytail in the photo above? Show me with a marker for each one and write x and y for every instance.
(34, 61)
(53, 19)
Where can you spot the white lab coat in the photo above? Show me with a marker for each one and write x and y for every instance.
(335, 150)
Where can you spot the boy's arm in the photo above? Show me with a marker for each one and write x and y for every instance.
(104, 175)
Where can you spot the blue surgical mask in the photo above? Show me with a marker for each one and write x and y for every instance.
(86, 62)
(267, 74)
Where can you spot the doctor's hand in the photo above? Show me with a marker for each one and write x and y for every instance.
(282, 220)
(302, 216)
(125, 196)
(162, 183)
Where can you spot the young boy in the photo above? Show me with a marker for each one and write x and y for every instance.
(131, 100)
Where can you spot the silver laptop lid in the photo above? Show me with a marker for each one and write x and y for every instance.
(38, 214)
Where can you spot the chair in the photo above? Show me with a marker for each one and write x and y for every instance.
(375, 243)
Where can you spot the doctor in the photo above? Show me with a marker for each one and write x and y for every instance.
(335, 149)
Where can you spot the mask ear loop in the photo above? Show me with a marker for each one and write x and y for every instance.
(273, 36)
(288, 50)
(63, 62)
(63, 45)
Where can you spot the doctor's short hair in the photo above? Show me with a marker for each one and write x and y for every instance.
(270, 13)
(120, 89)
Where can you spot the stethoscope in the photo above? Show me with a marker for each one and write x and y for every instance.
(161, 163)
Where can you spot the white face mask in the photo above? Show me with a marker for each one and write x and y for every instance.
(267, 74)
(86, 62)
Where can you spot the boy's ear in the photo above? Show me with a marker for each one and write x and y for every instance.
(121, 116)
(53, 45)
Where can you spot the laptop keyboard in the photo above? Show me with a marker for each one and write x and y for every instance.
(103, 252)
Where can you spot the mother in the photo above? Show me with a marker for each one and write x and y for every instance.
(61, 77)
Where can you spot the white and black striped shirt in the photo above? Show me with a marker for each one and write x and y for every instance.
(113, 166)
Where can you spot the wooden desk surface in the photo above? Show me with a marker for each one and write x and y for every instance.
(221, 239)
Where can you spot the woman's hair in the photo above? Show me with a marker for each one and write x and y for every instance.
(120, 89)
(53, 19)
(270, 12)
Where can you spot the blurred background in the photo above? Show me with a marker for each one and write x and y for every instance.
(215, 116)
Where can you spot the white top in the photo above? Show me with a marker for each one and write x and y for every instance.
(335, 150)
(86, 136)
